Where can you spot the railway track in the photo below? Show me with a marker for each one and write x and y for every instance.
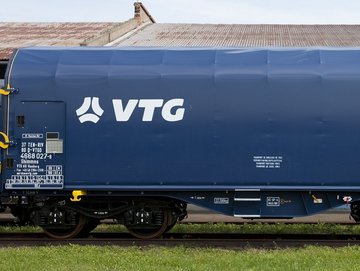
(230, 241)
(9, 223)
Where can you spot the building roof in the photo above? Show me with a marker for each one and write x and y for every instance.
(239, 35)
(14, 35)
(141, 30)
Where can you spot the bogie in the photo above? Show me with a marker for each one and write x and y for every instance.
(61, 219)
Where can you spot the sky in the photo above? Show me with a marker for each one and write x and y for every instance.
(185, 11)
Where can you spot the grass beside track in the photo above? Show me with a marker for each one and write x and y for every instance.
(265, 228)
(259, 228)
(179, 258)
(182, 258)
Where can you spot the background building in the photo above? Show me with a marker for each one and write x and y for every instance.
(142, 30)
(15, 35)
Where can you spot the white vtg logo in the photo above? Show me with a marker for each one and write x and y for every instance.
(123, 113)
(94, 103)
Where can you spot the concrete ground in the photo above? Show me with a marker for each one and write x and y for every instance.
(334, 217)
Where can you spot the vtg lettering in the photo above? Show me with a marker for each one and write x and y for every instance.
(171, 110)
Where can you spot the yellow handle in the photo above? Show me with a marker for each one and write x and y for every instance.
(4, 92)
(5, 144)
(77, 194)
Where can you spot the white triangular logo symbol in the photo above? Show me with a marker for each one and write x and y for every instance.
(92, 102)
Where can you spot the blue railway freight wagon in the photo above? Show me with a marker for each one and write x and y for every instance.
(137, 133)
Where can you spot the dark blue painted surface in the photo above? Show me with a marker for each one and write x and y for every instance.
(301, 105)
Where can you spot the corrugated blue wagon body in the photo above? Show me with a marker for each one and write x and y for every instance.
(241, 117)
(252, 131)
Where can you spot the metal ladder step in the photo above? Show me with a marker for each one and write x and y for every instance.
(247, 199)
(247, 203)
(246, 216)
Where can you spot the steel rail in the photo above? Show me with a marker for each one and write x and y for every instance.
(213, 240)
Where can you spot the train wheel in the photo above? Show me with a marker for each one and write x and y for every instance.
(355, 211)
(150, 232)
(88, 227)
(66, 232)
(169, 228)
